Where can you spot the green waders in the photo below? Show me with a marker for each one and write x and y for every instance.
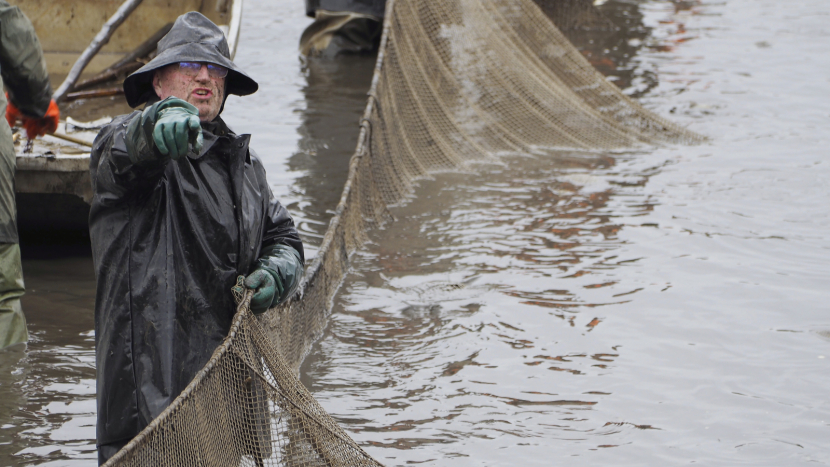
(12, 322)
(24, 76)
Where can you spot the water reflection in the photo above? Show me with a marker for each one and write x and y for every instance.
(613, 34)
(47, 413)
(609, 34)
(334, 96)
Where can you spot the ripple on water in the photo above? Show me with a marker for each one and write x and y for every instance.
(657, 308)
(451, 327)
(51, 389)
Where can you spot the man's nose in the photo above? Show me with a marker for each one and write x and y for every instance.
(203, 74)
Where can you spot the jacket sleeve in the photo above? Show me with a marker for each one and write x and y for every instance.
(280, 229)
(124, 161)
(282, 250)
(21, 63)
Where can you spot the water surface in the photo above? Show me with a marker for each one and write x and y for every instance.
(658, 308)
(663, 307)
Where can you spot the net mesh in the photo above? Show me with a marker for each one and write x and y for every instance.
(456, 82)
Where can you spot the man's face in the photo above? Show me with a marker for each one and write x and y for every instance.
(203, 91)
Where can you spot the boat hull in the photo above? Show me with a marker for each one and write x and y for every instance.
(66, 28)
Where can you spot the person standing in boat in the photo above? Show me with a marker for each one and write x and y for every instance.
(181, 208)
(27, 97)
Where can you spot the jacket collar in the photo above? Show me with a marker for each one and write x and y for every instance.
(212, 132)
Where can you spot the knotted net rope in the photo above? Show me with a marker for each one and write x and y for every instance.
(456, 82)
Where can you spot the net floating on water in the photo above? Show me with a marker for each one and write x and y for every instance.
(456, 82)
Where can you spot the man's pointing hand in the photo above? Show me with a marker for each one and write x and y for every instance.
(177, 124)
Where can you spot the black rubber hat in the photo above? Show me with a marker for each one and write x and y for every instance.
(193, 38)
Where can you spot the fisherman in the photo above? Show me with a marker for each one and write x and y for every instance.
(342, 26)
(27, 83)
(181, 208)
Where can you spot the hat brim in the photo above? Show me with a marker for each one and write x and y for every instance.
(138, 87)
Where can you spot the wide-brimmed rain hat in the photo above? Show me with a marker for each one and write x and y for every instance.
(193, 38)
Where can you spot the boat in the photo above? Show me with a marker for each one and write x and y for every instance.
(52, 184)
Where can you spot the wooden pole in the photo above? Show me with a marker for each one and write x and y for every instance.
(72, 96)
(145, 47)
(100, 40)
(71, 139)
(110, 74)
(128, 64)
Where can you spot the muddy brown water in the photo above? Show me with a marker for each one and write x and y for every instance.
(664, 307)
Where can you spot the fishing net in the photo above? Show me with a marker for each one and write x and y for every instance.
(456, 82)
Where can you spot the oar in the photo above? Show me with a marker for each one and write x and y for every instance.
(30, 142)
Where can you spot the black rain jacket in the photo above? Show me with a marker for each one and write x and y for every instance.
(169, 239)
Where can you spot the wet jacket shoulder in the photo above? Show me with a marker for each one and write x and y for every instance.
(21, 63)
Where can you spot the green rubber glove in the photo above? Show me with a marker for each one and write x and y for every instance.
(266, 287)
(177, 124)
(278, 273)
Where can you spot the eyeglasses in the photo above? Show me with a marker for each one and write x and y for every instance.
(192, 69)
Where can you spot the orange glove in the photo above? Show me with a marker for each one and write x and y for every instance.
(40, 126)
(12, 112)
(35, 126)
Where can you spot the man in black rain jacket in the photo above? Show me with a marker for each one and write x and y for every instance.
(181, 208)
